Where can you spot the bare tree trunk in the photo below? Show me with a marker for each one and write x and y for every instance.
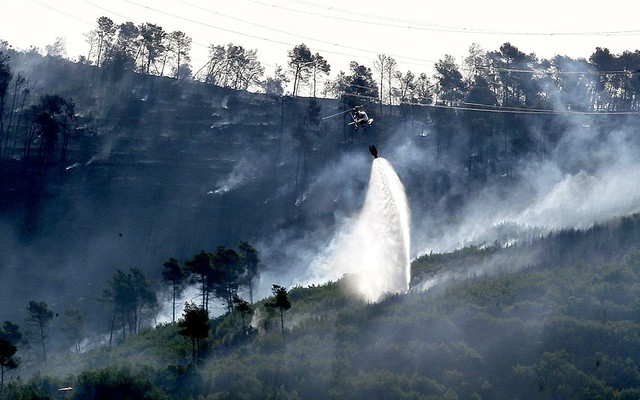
(284, 342)
(193, 349)
(113, 324)
(174, 302)
(44, 350)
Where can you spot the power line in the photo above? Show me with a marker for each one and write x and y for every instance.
(526, 111)
(420, 25)
(265, 27)
(487, 108)
(61, 12)
(467, 107)
(262, 38)
(367, 51)
(176, 16)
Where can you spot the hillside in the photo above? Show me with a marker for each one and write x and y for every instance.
(547, 332)
(161, 168)
(524, 230)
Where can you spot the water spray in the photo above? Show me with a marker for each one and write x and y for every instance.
(375, 249)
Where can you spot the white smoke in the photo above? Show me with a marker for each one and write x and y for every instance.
(240, 174)
(589, 179)
(374, 246)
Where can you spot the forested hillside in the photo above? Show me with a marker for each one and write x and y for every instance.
(551, 330)
(124, 192)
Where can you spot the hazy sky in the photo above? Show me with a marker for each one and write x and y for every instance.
(415, 32)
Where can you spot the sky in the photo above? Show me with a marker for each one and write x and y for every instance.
(417, 33)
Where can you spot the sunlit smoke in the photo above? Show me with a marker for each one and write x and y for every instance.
(241, 172)
(375, 248)
(587, 180)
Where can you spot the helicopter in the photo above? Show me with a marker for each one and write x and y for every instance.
(360, 118)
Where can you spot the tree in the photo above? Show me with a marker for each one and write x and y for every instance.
(476, 63)
(244, 69)
(51, 116)
(173, 274)
(144, 299)
(215, 66)
(10, 336)
(319, 66)
(335, 87)
(73, 324)
(125, 51)
(479, 94)
(151, 46)
(225, 275)
(386, 67)
(391, 68)
(574, 83)
(250, 263)
(104, 34)
(201, 265)
(5, 78)
(40, 317)
(405, 93)
(19, 87)
(450, 84)
(300, 62)
(57, 49)
(194, 324)
(11, 332)
(233, 67)
(516, 72)
(128, 296)
(178, 48)
(359, 85)
(274, 85)
(281, 302)
(629, 82)
(67, 118)
(7, 359)
(380, 65)
(244, 308)
(114, 296)
(423, 89)
(606, 64)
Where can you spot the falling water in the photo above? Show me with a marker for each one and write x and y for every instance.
(375, 248)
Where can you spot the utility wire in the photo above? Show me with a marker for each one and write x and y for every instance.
(420, 25)
(263, 26)
(468, 107)
(280, 42)
(56, 10)
(420, 60)
(499, 109)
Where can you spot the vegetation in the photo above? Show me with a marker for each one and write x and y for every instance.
(456, 103)
(39, 318)
(195, 325)
(281, 302)
(174, 275)
(550, 330)
(129, 298)
(561, 326)
(7, 359)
